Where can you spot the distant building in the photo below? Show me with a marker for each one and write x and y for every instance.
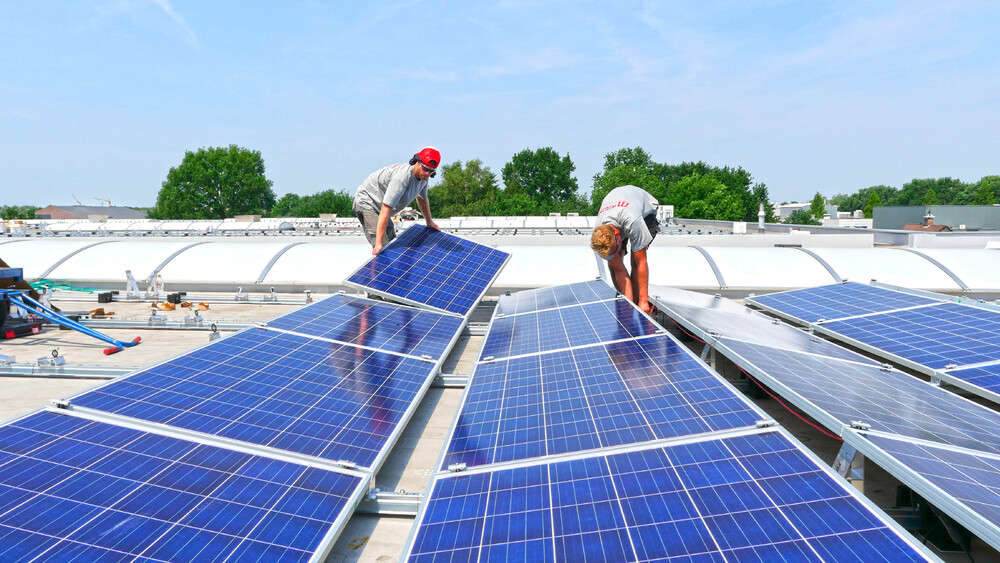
(784, 210)
(957, 217)
(927, 226)
(88, 211)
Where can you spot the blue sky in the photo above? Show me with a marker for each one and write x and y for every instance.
(100, 99)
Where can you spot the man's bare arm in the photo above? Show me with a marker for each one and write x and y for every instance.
(383, 221)
(640, 280)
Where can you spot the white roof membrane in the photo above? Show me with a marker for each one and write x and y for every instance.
(887, 265)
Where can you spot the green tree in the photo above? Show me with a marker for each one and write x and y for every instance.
(930, 198)
(737, 181)
(947, 191)
(542, 175)
(464, 190)
(628, 166)
(704, 197)
(8, 212)
(986, 190)
(326, 201)
(507, 204)
(818, 206)
(284, 206)
(215, 183)
(873, 201)
(760, 195)
(859, 199)
(801, 217)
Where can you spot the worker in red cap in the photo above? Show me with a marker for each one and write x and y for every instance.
(389, 190)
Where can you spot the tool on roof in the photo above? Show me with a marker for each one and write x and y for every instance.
(24, 301)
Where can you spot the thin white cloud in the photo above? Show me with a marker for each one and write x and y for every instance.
(169, 10)
(524, 62)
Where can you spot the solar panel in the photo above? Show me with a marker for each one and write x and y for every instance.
(74, 489)
(747, 498)
(986, 378)
(308, 396)
(554, 329)
(837, 301)
(374, 324)
(965, 483)
(552, 297)
(621, 393)
(727, 319)
(429, 268)
(888, 400)
(935, 337)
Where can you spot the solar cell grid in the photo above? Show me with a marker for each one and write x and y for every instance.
(935, 337)
(985, 377)
(552, 297)
(970, 478)
(600, 396)
(431, 268)
(746, 498)
(73, 489)
(572, 326)
(275, 389)
(377, 325)
(890, 401)
(838, 301)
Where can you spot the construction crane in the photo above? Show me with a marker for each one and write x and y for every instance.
(78, 202)
(108, 201)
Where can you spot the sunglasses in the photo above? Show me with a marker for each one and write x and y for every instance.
(426, 168)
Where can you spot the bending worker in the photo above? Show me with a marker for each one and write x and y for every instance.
(627, 215)
(388, 190)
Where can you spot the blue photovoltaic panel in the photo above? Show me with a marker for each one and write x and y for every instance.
(601, 396)
(552, 297)
(432, 268)
(838, 301)
(890, 401)
(931, 336)
(730, 320)
(377, 325)
(972, 479)
(73, 489)
(984, 377)
(747, 498)
(554, 329)
(275, 389)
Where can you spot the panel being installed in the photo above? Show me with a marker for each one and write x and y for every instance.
(552, 297)
(935, 337)
(374, 324)
(717, 317)
(594, 397)
(280, 390)
(565, 327)
(753, 497)
(75, 489)
(429, 268)
(838, 393)
(837, 301)
(962, 482)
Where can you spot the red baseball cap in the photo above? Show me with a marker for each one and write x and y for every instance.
(430, 156)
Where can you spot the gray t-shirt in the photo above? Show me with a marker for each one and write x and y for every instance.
(395, 185)
(625, 207)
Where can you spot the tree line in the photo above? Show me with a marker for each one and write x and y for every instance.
(220, 182)
(925, 191)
